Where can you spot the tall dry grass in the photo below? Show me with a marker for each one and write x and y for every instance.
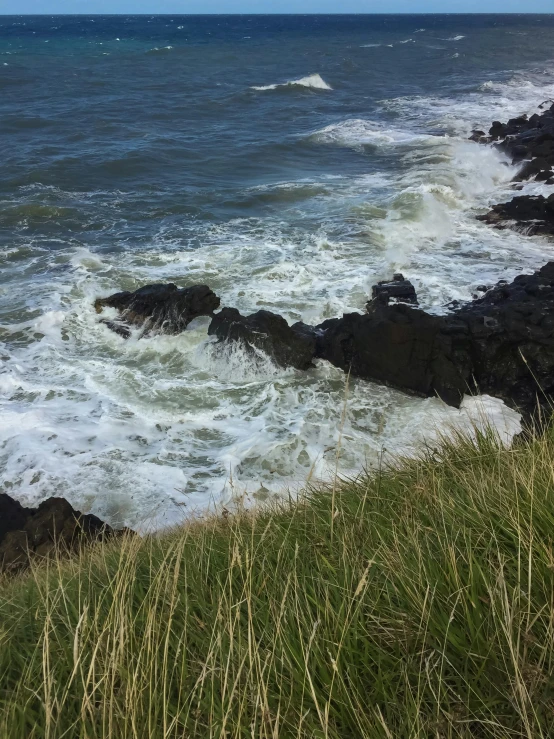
(418, 602)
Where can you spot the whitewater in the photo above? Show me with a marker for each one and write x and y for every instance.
(296, 203)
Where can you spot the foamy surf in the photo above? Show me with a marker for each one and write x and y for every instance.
(291, 203)
(359, 132)
(312, 81)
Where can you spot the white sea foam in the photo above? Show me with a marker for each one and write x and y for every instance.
(493, 100)
(358, 132)
(453, 38)
(146, 431)
(312, 81)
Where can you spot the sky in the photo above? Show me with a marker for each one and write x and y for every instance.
(17, 7)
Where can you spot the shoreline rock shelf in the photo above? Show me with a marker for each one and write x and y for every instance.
(530, 214)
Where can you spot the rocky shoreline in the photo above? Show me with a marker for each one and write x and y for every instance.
(530, 142)
(501, 344)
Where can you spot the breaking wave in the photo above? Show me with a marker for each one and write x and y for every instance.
(312, 81)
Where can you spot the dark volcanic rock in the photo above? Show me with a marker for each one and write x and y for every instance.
(530, 141)
(397, 290)
(501, 344)
(533, 214)
(524, 138)
(28, 532)
(162, 307)
(288, 346)
(399, 346)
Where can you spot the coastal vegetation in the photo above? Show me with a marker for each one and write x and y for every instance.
(415, 601)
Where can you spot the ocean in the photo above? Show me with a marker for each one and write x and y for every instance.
(288, 162)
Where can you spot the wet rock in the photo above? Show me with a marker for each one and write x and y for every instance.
(26, 533)
(501, 344)
(287, 346)
(538, 168)
(397, 290)
(525, 138)
(164, 307)
(532, 214)
(478, 136)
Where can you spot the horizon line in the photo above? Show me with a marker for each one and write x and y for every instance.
(72, 15)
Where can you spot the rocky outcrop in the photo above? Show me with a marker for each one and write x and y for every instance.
(27, 533)
(398, 346)
(287, 346)
(530, 214)
(501, 344)
(527, 140)
(164, 307)
(530, 142)
(397, 290)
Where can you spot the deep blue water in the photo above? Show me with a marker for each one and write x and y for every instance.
(286, 161)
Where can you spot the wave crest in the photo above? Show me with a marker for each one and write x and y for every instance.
(312, 81)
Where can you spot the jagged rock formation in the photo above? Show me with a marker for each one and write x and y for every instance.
(163, 307)
(27, 533)
(529, 141)
(501, 344)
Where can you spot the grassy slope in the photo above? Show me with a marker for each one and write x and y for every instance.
(425, 609)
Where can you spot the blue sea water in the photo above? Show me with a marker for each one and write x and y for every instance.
(289, 162)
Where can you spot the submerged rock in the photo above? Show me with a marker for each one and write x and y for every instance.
(36, 532)
(163, 307)
(532, 214)
(287, 346)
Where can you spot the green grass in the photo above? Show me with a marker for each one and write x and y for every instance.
(416, 603)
